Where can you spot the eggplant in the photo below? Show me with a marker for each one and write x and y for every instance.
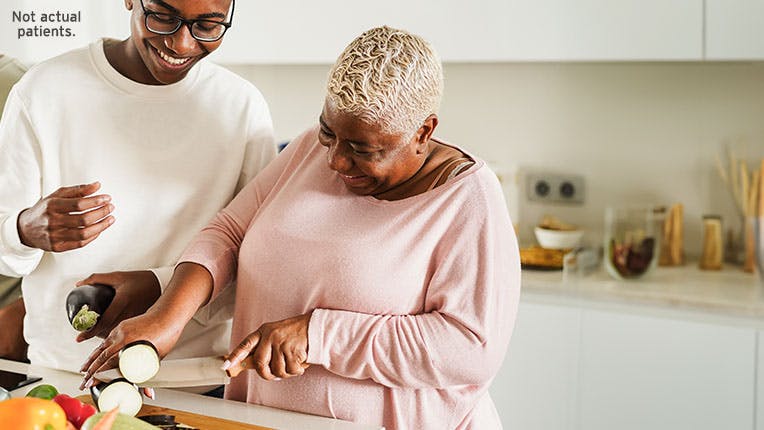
(138, 361)
(119, 393)
(86, 303)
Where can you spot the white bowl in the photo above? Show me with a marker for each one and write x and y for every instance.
(558, 239)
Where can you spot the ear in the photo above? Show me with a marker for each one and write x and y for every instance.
(129, 4)
(424, 133)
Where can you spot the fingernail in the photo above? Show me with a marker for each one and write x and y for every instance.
(226, 365)
(276, 379)
(89, 383)
(150, 393)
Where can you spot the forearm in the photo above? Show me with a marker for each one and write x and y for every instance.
(430, 350)
(188, 290)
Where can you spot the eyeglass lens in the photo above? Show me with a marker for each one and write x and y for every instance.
(168, 24)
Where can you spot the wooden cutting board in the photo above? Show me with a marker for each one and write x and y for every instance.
(202, 422)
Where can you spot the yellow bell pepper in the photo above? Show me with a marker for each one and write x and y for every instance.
(28, 413)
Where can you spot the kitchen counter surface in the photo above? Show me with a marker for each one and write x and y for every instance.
(68, 383)
(729, 293)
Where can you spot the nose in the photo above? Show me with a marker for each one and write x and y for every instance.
(181, 42)
(338, 158)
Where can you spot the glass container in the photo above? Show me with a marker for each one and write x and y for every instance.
(630, 242)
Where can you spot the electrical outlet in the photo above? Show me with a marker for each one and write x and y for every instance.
(547, 187)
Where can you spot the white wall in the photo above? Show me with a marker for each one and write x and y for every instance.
(640, 133)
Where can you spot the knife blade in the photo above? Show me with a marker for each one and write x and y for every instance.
(186, 372)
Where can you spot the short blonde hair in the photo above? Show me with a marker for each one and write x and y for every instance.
(387, 76)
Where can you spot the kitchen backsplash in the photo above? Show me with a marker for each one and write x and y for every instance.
(639, 133)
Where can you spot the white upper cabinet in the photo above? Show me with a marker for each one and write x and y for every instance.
(734, 29)
(605, 30)
(483, 30)
(292, 31)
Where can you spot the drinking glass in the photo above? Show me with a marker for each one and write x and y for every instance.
(630, 241)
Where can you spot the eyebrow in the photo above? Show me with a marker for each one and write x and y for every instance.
(175, 11)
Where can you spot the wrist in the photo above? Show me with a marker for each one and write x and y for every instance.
(20, 229)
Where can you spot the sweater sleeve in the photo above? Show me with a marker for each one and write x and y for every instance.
(462, 335)
(216, 247)
(20, 185)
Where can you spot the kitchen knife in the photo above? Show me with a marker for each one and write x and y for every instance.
(186, 372)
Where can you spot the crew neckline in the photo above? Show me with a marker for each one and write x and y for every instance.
(478, 165)
(123, 83)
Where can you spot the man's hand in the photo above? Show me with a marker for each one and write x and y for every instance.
(135, 293)
(153, 326)
(69, 218)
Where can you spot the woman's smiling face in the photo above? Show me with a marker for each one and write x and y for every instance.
(369, 160)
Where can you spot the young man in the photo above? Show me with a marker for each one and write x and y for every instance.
(111, 158)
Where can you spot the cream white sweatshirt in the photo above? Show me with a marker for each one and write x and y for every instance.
(170, 156)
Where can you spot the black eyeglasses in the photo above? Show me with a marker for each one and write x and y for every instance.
(203, 30)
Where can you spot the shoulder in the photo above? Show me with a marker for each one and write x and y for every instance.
(67, 67)
(476, 189)
(218, 80)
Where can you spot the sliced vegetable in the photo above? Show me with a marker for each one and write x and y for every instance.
(76, 411)
(121, 422)
(119, 393)
(139, 361)
(4, 394)
(159, 420)
(30, 413)
(43, 391)
(85, 304)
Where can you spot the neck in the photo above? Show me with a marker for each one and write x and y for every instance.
(414, 184)
(124, 57)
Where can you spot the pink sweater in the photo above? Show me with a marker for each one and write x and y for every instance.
(414, 300)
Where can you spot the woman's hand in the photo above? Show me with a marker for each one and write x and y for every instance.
(152, 326)
(279, 349)
(69, 218)
(135, 293)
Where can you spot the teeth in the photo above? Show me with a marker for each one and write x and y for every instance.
(172, 60)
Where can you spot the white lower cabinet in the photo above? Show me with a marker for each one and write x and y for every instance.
(639, 372)
(579, 368)
(760, 381)
(535, 388)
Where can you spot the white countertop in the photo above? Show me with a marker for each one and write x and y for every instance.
(68, 383)
(726, 293)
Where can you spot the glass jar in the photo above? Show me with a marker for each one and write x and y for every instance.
(630, 242)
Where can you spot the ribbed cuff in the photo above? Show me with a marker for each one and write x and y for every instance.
(11, 237)
(316, 353)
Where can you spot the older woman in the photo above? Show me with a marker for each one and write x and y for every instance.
(377, 269)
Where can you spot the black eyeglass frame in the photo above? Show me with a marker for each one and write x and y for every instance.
(188, 23)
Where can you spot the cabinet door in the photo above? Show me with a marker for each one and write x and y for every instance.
(760, 382)
(734, 29)
(535, 389)
(317, 32)
(642, 372)
(605, 30)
